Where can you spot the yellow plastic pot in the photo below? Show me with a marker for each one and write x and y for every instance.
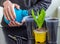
(40, 36)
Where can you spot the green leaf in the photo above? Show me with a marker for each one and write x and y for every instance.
(41, 16)
(34, 17)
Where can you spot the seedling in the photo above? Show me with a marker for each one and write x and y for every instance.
(39, 19)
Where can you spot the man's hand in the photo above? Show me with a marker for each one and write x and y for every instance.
(9, 10)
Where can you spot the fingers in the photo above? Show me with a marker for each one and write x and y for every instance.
(10, 24)
(17, 6)
(7, 2)
(12, 17)
(18, 24)
(13, 23)
(12, 11)
(6, 15)
(9, 10)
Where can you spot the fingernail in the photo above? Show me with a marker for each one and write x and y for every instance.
(18, 7)
(13, 19)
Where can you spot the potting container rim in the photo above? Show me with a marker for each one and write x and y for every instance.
(40, 31)
(51, 19)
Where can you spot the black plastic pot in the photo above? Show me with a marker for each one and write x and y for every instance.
(52, 26)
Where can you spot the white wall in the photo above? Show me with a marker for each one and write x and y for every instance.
(52, 10)
(2, 37)
(1, 13)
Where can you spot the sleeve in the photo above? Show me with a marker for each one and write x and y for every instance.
(1, 2)
(41, 4)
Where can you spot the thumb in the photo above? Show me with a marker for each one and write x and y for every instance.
(17, 6)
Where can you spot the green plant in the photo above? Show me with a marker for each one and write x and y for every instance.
(40, 17)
